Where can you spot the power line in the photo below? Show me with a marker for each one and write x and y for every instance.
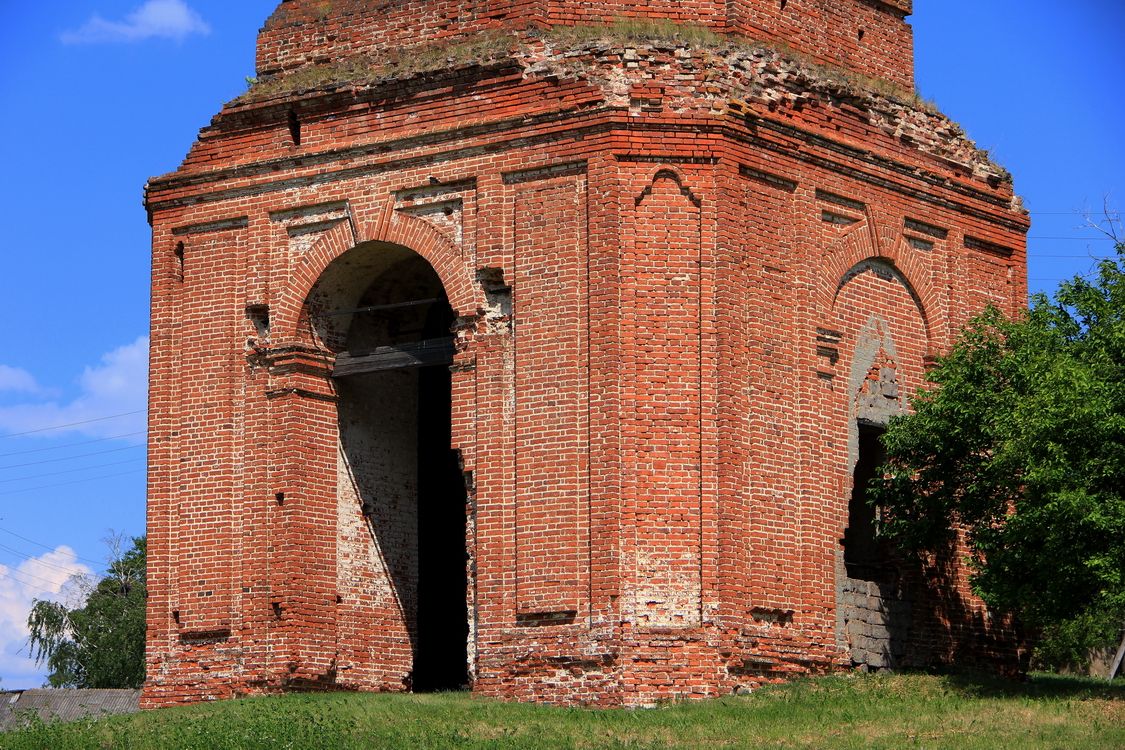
(74, 424)
(71, 471)
(69, 458)
(20, 575)
(64, 484)
(44, 546)
(36, 560)
(16, 572)
(72, 445)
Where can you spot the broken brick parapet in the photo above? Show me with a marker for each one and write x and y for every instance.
(868, 36)
(677, 79)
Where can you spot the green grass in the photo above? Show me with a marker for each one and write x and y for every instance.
(638, 31)
(483, 49)
(851, 711)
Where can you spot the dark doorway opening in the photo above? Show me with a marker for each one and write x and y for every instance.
(866, 557)
(395, 412)
(440, 655)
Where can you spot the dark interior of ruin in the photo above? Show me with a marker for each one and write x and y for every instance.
(865, 556)
(414, 500)
(440, 656)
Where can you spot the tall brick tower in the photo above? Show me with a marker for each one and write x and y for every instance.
(537, 346)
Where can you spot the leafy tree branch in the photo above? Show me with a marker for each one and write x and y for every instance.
(99, 644)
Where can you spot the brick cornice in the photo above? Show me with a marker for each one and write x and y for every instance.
(586, 124)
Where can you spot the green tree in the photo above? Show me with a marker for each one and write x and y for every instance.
(100, 644)
(1021, 443)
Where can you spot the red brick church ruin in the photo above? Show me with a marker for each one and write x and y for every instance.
(541, 346)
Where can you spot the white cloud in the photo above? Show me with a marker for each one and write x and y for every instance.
(117, 385)
(156, 19)
(47, 577)
(15, 379)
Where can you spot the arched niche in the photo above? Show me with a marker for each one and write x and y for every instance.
(884, 333)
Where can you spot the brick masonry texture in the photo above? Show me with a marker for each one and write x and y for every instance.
(684, 277)
(869, 36)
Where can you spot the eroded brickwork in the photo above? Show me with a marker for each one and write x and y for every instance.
(549, 372)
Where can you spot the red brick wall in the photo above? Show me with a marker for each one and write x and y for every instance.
(661, 288)
(552, 482)
(662, 392)
(868, 36)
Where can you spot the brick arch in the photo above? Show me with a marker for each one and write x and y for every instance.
(393, 228)
(668, 172)
(911, 264)
(862, 243)
(889, 265)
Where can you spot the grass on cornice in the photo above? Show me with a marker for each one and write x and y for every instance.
(658, 32)
(493, 45)
(639, 31)
(359, 70)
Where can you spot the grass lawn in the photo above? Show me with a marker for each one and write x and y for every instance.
(848, 711)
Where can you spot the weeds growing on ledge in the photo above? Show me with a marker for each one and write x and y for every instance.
(493, 45)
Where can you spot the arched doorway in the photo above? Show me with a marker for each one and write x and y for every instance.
(384, 311)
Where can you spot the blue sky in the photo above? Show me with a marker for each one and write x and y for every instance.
(98, 95)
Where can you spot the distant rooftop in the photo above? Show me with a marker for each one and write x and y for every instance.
(63, 704)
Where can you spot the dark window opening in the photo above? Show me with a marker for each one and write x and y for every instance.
(259, 316)
(294, 128)
(865, 555)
